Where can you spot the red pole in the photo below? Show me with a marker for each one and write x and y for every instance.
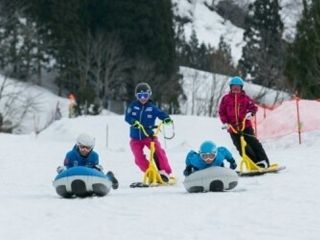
(298, 119)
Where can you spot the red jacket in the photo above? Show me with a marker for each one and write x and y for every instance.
(234, 107)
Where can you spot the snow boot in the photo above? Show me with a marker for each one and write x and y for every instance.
(164, 176)
(115, 183)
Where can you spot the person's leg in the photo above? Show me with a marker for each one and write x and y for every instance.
(162, 158)
(237, 143)
(256, 146)
(139, 156)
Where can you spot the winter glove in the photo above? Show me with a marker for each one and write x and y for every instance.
(167, 121)
(249, 116)
(189, 169)
(60, 169)
(136, 124)
(225, 126)
(233, 164)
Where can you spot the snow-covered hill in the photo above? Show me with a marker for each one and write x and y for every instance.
(276, 206)
(27, 106)
(209, 26)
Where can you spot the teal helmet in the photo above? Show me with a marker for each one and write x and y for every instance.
(236, 81)
(208, 147)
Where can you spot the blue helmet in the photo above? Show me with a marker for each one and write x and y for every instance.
(236, 81)
(208, 147)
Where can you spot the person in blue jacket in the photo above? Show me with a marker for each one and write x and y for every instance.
(82, 154)
(142, 113)
(209, 155)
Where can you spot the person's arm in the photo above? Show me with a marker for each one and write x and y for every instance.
(128, 116)
(68, 160)
(222, 111)
(252, 107)
(189, 167)
(93, 159)
(228, 156)
(162, 115)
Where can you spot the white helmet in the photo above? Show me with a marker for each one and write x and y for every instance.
(85, 139)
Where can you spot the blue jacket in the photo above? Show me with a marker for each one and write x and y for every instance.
(195, 162)
(73, 158)
(146, 114)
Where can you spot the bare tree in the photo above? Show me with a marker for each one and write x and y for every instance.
(144, 71)
(217, 91)
(15, 105)
(100, 58)
(206, 90)
(116, 65)
(83, 52)
(195, 88)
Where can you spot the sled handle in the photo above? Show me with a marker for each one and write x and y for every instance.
(233, 129)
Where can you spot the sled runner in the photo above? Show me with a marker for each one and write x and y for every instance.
(172, 181)
(274, 168)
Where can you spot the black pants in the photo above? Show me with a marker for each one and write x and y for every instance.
(254, 148)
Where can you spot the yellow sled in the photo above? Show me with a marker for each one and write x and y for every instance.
(152, 176)
(247, 165)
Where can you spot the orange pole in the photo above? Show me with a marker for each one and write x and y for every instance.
(298, 119)
(255, 126)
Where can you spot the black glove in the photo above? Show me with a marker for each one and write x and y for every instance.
(136, 124)
(167, 121)
(189, 169)
(233, 164)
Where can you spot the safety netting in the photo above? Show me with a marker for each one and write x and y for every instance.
(293, 116)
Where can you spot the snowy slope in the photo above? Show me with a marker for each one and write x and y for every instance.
(42, 105)
(276, 206)
(209, 26)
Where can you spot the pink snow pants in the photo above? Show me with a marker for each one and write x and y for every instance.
(140, 158)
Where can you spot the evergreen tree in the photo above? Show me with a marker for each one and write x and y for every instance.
(195, 55)
(94, 43)
(19, 47)
(191, 50)
(303, 64)
(222, 60)
(263, 54)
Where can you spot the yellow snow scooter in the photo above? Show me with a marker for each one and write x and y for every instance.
(247, 166)
(152, 176)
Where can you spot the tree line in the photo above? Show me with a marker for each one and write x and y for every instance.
(100, 49)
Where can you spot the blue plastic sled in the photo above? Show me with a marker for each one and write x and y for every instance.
(81, 182)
